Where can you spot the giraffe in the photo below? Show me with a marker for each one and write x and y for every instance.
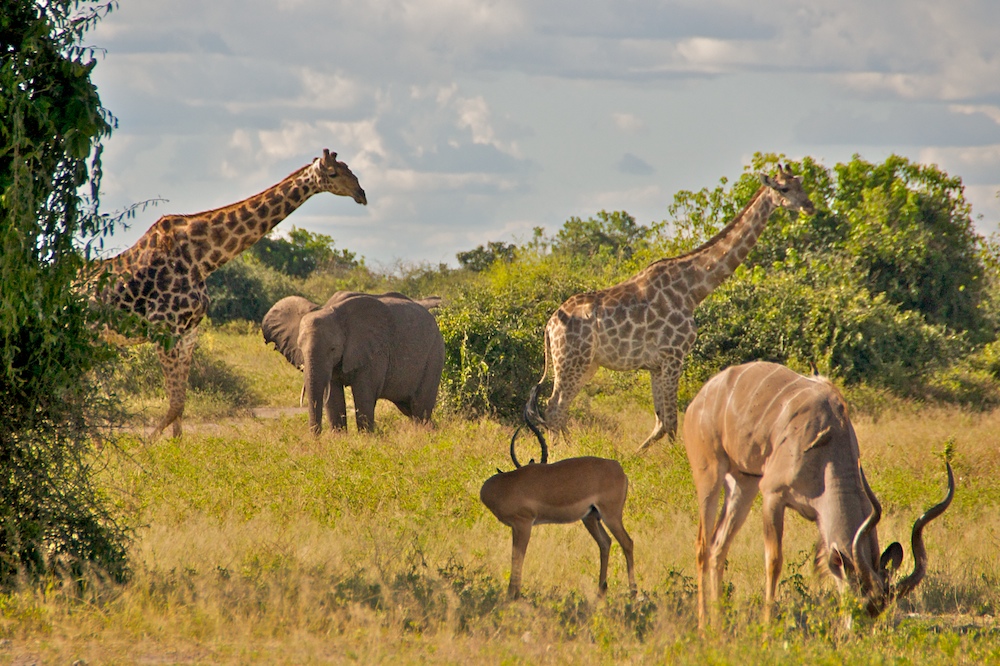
(647, 322)
(162, 277)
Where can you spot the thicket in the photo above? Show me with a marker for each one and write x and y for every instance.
(52, 518)
(886, 286)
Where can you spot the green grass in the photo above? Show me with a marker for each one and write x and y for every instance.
(255, 542)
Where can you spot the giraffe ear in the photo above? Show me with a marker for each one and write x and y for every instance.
(767, 180)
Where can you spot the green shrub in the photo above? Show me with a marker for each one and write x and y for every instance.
(816, 314)
(246, 289)
(493, 333)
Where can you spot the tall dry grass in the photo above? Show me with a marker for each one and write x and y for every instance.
(256, 542)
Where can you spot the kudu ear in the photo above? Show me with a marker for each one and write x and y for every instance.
(840, 565)
(893, 555)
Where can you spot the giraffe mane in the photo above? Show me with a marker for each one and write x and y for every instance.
(717, 238)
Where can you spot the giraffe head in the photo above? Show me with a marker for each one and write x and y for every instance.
(791, 196)
(336, 177)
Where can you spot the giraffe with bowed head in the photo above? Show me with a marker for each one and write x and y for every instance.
(162, 277)
(647, 322)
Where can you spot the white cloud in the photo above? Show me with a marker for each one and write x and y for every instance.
(990, 111)
(468, 117)
(628, 122)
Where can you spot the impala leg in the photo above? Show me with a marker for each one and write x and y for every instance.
(740, 492)
(774, 525)
(614, 522)
(521, 535)
(593, 522)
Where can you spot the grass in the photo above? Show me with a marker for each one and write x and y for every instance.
(256, 542)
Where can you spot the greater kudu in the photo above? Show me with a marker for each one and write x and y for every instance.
(763, 427)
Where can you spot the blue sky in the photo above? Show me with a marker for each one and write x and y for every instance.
(469, 121)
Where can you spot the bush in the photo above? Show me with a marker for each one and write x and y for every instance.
(816, 314)
(493, 334)
(245, 289)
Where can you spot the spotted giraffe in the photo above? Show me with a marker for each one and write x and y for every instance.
(162, 277)
(647, 322)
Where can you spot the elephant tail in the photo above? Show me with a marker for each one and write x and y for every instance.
(531, 407)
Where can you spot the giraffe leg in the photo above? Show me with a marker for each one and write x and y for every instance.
(176, 364)
(664, 382)
(565, 386)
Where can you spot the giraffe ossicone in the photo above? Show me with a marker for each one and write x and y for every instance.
(162, 276)
(647, 322)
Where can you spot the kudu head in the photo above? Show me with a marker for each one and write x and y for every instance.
(875, 579)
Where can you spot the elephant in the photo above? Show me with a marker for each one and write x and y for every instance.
(382, 346)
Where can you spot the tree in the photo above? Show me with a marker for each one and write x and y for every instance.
(482, 257)
(302, 253)
(905, 228)
(51, 124)
(610, 236)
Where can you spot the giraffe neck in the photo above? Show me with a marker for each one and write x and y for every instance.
(219, 235)
(719, 257)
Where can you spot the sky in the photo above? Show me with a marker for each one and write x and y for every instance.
(469, 121)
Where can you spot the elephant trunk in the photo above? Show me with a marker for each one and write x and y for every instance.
(317, 386)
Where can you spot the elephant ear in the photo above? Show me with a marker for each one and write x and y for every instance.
(339, 297)
(281, 326)
(369, 327)
(431, 303)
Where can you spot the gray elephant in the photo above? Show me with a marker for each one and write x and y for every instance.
(382, 346)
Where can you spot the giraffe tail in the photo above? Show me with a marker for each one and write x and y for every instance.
(531, 414)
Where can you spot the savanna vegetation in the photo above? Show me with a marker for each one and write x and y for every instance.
(250, 540)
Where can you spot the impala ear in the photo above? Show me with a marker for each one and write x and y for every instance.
(893, 555)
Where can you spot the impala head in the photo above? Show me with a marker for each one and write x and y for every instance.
(870, 574)
(791, 195)
(336, 177)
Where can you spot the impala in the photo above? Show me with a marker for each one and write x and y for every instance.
(760, 427)
(587, 488)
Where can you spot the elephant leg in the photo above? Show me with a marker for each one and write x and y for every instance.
(423, 402)
(336, 406)
(364, 407)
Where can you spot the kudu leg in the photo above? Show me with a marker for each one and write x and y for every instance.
(707, 486)
(740, 493)
(774, 526)
(593, 522)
